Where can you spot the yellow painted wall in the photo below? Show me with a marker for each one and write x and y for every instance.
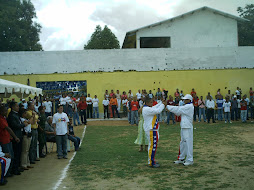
(202, 80)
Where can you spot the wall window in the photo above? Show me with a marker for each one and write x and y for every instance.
(155, 42)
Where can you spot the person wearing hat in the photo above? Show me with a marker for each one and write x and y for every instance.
(186, 144)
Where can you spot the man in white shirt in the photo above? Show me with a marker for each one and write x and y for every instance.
(95, 106)
(89, 106)
(186, 144)
(151, 128)
(69, 104)
(210, 109)
(138, 95)
(48, 107)
(60, 123)
(124, 102)
(226, 106)
(63, 102)
(105, 103)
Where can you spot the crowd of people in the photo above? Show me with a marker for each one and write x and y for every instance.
(51, 119)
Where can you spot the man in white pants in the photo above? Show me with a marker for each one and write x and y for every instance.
(186, 143)
(151, 128)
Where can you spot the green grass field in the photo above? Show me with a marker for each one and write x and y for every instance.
(109, 159)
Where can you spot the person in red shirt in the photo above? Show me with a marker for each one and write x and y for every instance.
(193, 92)
(243, 104)
(113, 103)
(154, 101)
(82, 105)
(196, 108)
(5, 135)
(134, 111)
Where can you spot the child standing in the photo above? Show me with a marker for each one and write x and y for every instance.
(226, 106)
(151, 128)
(141, 139)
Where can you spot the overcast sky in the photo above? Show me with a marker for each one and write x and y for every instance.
(68, 24)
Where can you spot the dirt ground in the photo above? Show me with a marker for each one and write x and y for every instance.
(47, 172)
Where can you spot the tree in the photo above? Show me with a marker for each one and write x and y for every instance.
(102, 39)
(246, 29)
(18, 31)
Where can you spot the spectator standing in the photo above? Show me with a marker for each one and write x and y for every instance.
(234, 108)
(196, 107)
(48, 107)
(129, 109)
(219, 102)
(238, 93)
(63, 101)
(139, 95)
(210, 109)
(171, 115)
(5, 161)
(181, 94)
(25, 162)
(69, 104)
(106, 95)
(111, 94)
(113, 103)
(130, 95)
(75, 113)
(251, 92)
(150, 94)
(124, 95)
(41, 133)
(193, 92)
(176, 94)
(5, 134)
(33, 117)
(105, 104)
(82, 106)
(89, 102)
(56, 98)
(252, 108)
(118, 97)
(124, 103)
(134, 111)
(201, 105)
(60, 123)
(243, 104)
(226, 106)
(159, 94)
(248, 105)
(17, 126)
(95, 106)
(229, 95)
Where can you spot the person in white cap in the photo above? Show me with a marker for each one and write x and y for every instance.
(186, 143)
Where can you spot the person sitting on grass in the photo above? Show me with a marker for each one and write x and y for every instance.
(186, 145)
(5, 160)
(141, 139)
(151, 128)
(60, 123)
(72, 137)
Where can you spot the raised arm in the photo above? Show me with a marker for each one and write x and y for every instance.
(178, 110)
(155, 109)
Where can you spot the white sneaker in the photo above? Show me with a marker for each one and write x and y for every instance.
(179, 162)
(230, 122)
(225, 121)
(187, 163)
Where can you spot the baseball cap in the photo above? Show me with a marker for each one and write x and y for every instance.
(187, 97)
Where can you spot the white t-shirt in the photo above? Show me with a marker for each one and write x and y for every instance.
(150, 95)
(138, 96)
(130, 95)
(118, 96)
(63, 101)
(48, 106)
(36, 108)
(95, 102)
(69, 100)
(105, 102)
(226, 106)
(28, 127)
(25, 105)
(141, 103)
(124, 102)
(61, 120)
(89, 100)
(237, 92)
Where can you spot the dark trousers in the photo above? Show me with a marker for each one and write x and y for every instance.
(196, 112)
(17, 148)
(106, 112)
(42, 141)
(234, 114)
(114, 108)
(82, 114)
(75, 140)
(89, 111)
(210, 114)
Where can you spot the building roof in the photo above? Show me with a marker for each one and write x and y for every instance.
(133, 32)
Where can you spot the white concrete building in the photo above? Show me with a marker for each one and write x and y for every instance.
(203, 27)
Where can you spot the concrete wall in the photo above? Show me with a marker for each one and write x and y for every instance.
(201, 29)
(125, 60)
(202, 80)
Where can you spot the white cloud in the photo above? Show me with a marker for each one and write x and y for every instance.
(68, 24)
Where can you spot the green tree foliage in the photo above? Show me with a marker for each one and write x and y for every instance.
(18, 31)
(246, 29)
(102, 39)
